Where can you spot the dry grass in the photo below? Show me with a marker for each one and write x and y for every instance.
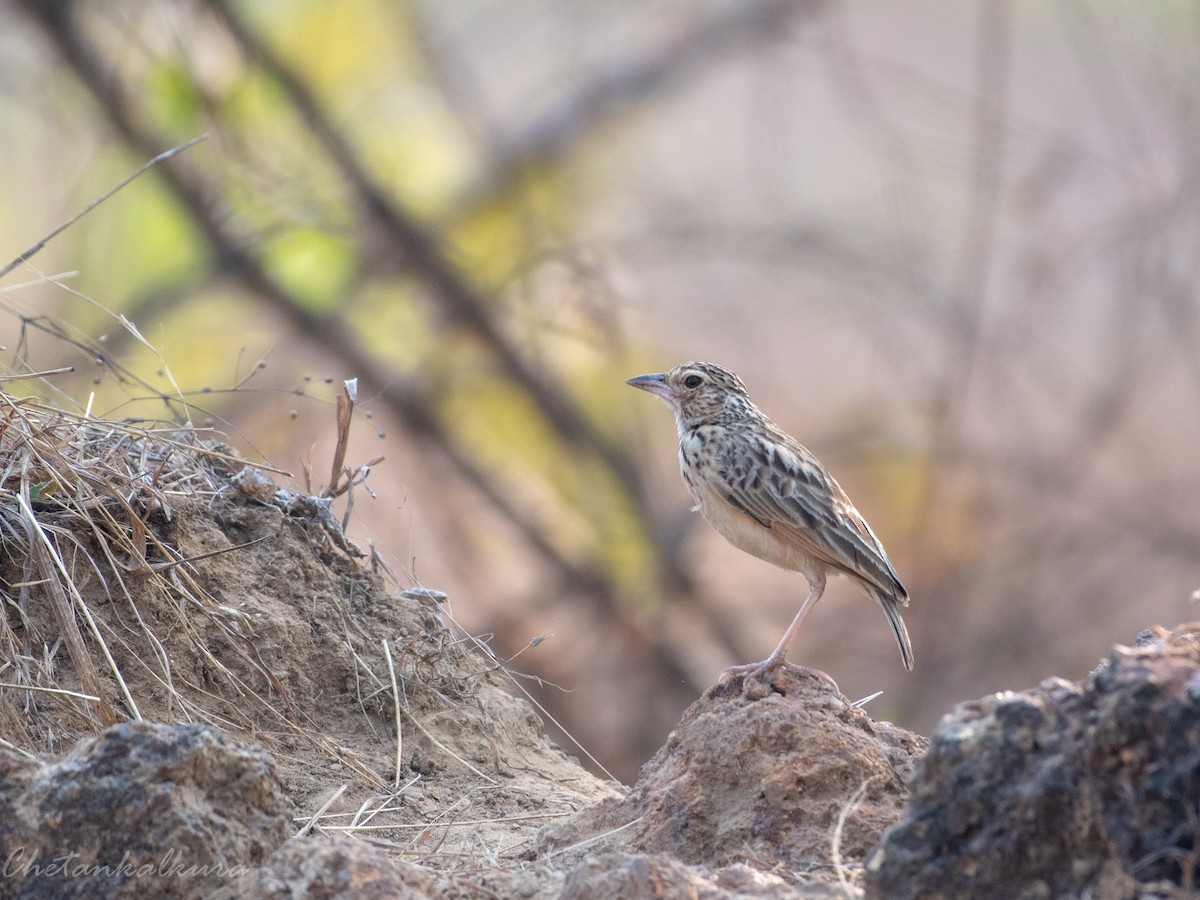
(78, 497)
(87, 502)
(107, 619)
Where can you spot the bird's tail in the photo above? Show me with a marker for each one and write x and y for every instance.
(891, 608)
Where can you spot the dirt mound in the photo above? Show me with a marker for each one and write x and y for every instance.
(154, 578)
(799, 783)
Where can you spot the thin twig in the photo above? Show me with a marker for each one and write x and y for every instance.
(57, 588)
(63, 370)
(317, 815)
(162, 157)
(46, 690)
(346, 399)
(579, 845)
(387, 653)
(835, 851)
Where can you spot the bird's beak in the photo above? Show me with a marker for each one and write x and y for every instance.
(655, 383)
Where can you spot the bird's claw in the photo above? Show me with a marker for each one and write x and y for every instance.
(757, 678)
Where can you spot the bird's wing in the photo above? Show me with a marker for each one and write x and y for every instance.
(780, 484)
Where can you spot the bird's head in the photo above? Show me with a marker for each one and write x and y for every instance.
(699, 393)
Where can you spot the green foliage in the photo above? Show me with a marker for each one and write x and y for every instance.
(314, 266)
(172, 96)
(160, 245)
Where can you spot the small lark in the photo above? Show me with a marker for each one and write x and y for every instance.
(767, 495)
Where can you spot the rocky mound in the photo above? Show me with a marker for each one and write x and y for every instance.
(180, 807)
(1067, 790)
(254, 713)
(798, 783)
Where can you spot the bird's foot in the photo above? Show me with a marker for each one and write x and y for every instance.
(757, 678)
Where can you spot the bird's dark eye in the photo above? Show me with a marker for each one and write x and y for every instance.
(693, 381)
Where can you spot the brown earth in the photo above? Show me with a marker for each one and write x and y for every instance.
(274, 771)
(289, 655)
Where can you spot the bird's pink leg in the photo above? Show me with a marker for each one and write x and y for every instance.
(778, 657)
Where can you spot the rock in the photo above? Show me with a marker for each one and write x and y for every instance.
(779, 782)
(634, 876)
(1064, 790)
(320, 868)
(140, 810)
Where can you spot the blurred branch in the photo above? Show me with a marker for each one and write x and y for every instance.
(610, 94)
(549, 139)
(429, 263)
(453, 79)
(1177, 298)
(965, 320)
(908, 210)
(401, 395)
(1092, 49)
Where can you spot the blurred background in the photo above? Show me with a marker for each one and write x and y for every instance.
(952, 246)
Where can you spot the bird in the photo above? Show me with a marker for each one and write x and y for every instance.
(768, 495)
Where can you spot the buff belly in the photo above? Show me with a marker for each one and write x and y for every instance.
(751, 537)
